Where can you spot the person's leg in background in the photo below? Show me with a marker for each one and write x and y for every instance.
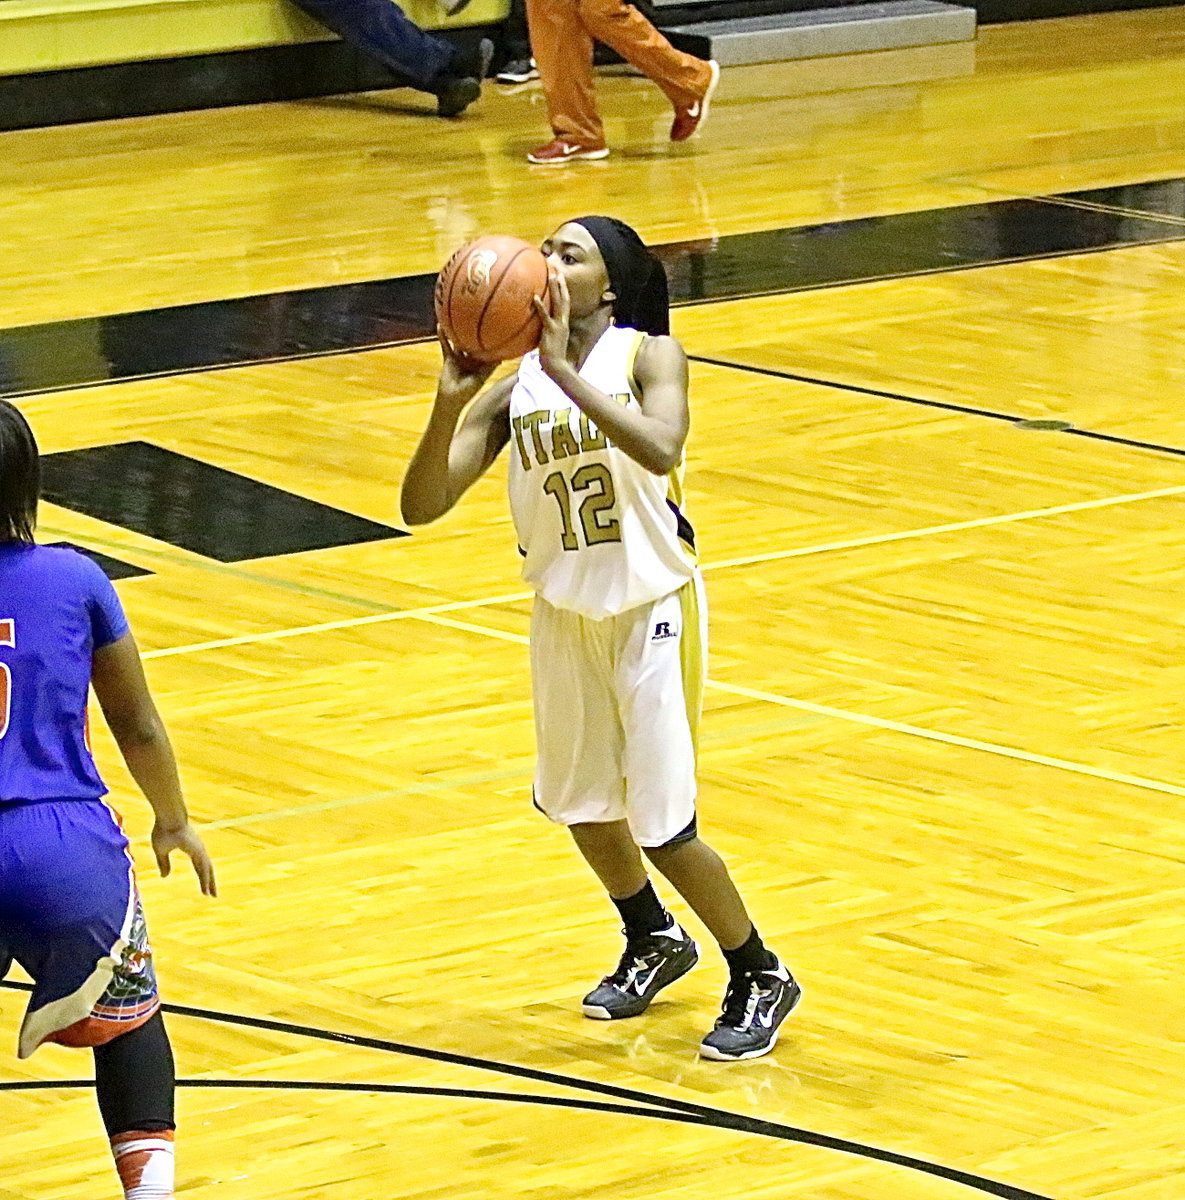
(429, 63)
(563, 51)
(519, 66)
(688, 82)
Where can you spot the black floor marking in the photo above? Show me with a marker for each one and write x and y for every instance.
(642, 1103)
(113, 568)
(401, 1089)
(195, 506)
(949, 406)
(358, 316)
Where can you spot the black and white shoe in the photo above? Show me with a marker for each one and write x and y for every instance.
(755, 1005)
(647, 966)
(518, 70)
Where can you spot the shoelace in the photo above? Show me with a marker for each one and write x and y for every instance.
(633, 961)
(740, 1002)
(636, 957)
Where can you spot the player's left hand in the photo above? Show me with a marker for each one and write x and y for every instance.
(553, 344)
(185, 839)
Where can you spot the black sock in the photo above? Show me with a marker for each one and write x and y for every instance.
(750, 956)
(643, 913)
(134, 1080)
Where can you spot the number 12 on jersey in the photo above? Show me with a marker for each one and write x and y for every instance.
(596, 512)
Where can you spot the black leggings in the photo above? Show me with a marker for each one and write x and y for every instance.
(134, 1080)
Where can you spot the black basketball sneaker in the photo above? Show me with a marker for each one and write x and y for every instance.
(755, 1005)
(460, 85)
(648, 964)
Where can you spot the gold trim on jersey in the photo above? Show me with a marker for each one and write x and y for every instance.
(675, 482)
(691, 658)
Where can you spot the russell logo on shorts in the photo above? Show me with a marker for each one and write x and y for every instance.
(663, 631)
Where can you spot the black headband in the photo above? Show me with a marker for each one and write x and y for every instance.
(636, 276)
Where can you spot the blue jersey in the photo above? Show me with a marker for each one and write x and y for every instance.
(56, 608)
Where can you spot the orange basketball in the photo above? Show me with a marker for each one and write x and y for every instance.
(484, 297)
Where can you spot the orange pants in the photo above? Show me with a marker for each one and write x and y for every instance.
(562, 35)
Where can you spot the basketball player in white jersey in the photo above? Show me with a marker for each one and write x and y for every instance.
(596, 420)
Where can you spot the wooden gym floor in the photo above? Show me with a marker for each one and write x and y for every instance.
(942, 744)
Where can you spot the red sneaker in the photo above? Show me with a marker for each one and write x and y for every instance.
(559, 151)
(690, 120)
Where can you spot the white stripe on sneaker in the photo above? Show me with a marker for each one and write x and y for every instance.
(713, 81)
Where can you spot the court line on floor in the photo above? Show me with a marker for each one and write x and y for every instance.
(950, 739)
(292, 313)
(641, 1103)
(866, 719)
(433, 787)
(1136, 214)
(408, 614)
(969, 410)
(436, 614)
(1069, 200)
(196, 562)
(880, 539)
(427, 787)
(403, 614)
(655, 1109)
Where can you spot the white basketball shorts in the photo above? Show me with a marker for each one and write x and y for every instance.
(617, 706)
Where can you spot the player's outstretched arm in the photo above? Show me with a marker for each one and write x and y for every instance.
(448, 459)
(117, 676)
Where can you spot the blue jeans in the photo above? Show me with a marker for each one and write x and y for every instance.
(381, 28)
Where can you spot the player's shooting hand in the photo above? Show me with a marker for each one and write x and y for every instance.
(461, 376)
(553, 344)
(185, 839)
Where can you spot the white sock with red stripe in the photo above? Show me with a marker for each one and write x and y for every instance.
(145, 1164)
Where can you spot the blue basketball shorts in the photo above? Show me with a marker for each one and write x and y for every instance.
(70, 914)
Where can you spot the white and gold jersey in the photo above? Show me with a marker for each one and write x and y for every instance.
(600, 534)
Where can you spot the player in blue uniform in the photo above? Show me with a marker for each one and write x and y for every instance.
(69, 910)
